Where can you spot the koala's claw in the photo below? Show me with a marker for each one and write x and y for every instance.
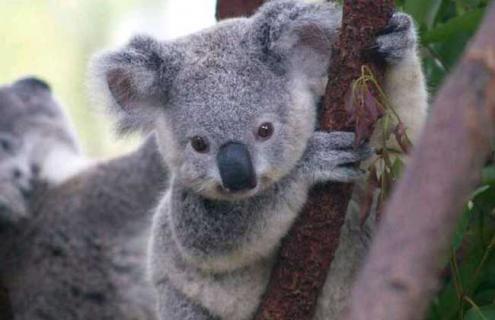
(349, 171)
(399, 22)
(332, 156)
(362, 153)
(396, 40)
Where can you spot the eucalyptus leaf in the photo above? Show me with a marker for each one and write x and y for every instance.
(423, 11)
(481, 313)
(466, 23)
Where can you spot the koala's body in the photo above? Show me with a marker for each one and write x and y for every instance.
(72, 244)
(234, 108)
(36, 143)
(82, 254)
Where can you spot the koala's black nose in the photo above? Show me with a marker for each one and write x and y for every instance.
(235, 166)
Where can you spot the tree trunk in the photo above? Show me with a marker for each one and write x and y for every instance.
(236, 8)
(309, 248)
(401, 273)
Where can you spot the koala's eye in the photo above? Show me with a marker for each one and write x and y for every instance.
(199, 144)
(265, 130)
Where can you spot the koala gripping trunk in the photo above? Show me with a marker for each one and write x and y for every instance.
(308, 250)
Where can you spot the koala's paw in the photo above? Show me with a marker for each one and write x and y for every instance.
(397, 39)
(331, 156)
(13, 206)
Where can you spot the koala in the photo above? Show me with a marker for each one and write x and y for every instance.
(73, 234)
(82, 256)
(36, 143)
(234, 108)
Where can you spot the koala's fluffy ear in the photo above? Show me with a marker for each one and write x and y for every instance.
(33, 91)
(296, 37)
(135, 80)
(32, 83)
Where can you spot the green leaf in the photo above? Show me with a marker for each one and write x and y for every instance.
(468, 22)
(465, 5)
(481, 313)
(479, 191)
(488, 175)
(460, 230)
(397, 168)
(423, 11)
(485, 296)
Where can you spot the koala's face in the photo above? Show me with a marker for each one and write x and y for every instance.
(27, 98)
(233, 105)
(229, 133)
(26, 106)
(14, 164)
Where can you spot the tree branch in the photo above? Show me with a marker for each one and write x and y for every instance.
(308, 250)
(236, 8)
(401, 273)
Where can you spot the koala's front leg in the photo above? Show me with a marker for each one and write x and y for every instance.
(331, 156)
(404, 82)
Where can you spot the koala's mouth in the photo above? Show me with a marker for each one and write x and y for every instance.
(263, 183)
(236, 194)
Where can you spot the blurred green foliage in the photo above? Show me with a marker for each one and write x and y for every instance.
(468, 278)
(53, 39)
(445, 27)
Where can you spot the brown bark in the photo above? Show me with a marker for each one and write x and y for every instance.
(236, 8)
(309, 248)
(401, 273)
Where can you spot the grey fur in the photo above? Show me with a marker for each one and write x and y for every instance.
(77, 252)
(15, 180)
(32, 125)
(397, 39)
(82, 255)
(212, 250)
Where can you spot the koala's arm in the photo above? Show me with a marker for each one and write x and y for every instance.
(331, 156)
(404, 82)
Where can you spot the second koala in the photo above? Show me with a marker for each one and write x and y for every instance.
(234, 108)
(36, 143)
(74, 247)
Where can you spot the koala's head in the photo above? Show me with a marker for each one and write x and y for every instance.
(20, 102)
(23, 99)
(30, 116)
(233, 105)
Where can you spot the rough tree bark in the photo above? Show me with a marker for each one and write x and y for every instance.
(236, 8)
(308, 250)
(400, 275)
